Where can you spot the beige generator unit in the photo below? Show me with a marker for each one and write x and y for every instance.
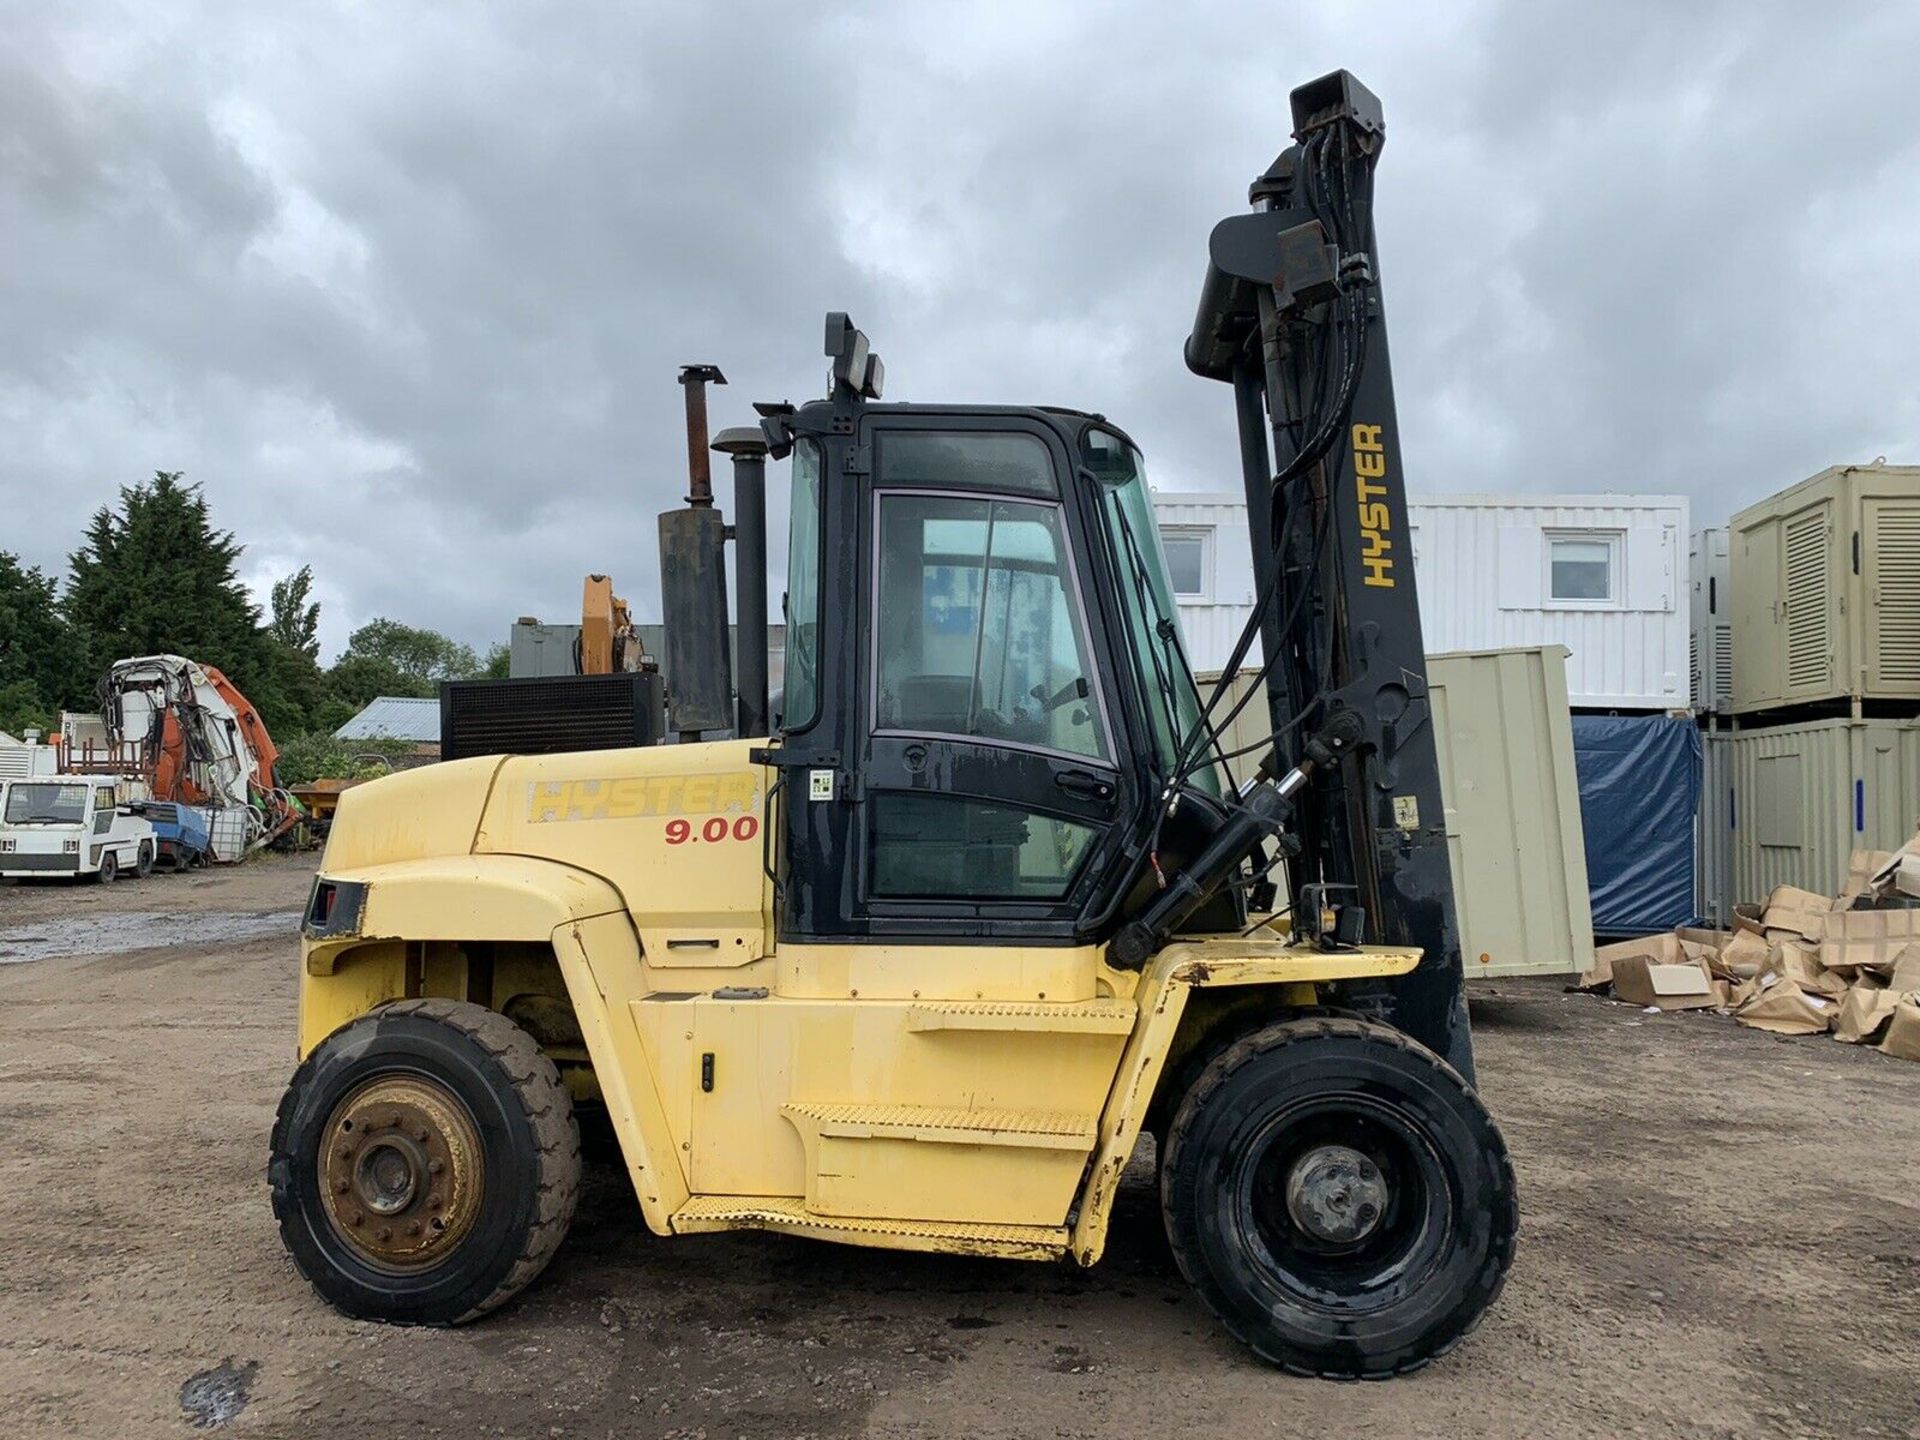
(1792, 802)
(1826, 590)
(1505, 739)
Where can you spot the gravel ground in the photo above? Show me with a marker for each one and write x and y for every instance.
(1720, 1236)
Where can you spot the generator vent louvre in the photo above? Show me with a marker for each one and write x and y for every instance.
(1809, 595)
(1896, 621)
(1723, 662)
(550, 714)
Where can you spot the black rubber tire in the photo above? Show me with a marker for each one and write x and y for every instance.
(109, 869)
(528, 1139)
(143, 860)
(1398, 1299)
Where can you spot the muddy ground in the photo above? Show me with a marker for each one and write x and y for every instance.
(1720, 1236)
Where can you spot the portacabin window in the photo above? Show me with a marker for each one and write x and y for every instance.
(1584, 567)
(1189, 552)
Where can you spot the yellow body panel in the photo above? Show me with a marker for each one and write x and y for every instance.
(973, 1097)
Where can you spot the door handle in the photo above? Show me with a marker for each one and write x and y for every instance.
(1085, 784)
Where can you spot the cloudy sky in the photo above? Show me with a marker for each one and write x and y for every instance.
(405, 287)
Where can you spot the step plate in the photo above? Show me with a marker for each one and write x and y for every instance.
(1039, 1129)
(751, 1212)
(1085, 1017)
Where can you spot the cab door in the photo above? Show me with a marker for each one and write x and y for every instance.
(988, 780)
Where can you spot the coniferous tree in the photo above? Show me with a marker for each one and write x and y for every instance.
(39, 673)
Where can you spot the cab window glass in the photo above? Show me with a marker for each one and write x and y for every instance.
(978, 628)
(973, 461)
(801, 667)
(929, 846)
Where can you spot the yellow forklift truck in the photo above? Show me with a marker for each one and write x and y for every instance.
(917, 963)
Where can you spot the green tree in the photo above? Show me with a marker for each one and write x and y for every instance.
(155, 577)
(498, 665)
(39, 672)
(294, 619)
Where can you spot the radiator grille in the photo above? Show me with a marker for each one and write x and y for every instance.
(1809, 603)
(1896, 623)
(549, 714)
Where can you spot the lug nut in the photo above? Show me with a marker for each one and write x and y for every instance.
(421, 1134)
(340, 1187)
(434, 1167)
(355, 1218)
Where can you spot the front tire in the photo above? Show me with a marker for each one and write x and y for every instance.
(425, 1163)
(143, 860)
(109, 869)
(1340, 1198)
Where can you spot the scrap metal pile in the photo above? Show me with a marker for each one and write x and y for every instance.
(1802, 964)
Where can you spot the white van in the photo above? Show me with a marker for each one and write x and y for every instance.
(72, 825)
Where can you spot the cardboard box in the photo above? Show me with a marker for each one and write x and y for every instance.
(1864, 1013)
(1781, 1007)
(1799, 963)
(1793, 912)
(1905, 976)
(1743, 956)
(1747, 917)
(1898, 873)
(1903, 1030)
(1867, 939)
(1664, 949)
(1861, 866)
(1641, 980)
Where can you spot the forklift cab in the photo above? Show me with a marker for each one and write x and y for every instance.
(993, 694)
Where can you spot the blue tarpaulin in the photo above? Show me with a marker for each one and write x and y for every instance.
(1639, 789)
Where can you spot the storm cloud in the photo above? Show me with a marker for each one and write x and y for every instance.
(406, 288)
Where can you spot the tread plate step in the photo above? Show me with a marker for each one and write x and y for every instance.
(1078, 1017)
(757, 1212)
(1035, 1129)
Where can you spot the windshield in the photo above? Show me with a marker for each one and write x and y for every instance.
(41, 804)
(802, 666)
(1173, 704)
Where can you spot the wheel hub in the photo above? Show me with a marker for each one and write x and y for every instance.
(400, 1171)
(1336, 1194)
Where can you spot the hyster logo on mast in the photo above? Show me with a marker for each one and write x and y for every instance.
(1370, 478)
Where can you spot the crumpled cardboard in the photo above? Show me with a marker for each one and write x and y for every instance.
(1898, 873)
(1742, 956)
(1861, 866)
(1867, 939)
(1864, 1012)
(1905, 975)
(1780, 1007)
(1791, 960)
(1903, 1030)
(1643, 980)
(1794, 912)
(1747, 917)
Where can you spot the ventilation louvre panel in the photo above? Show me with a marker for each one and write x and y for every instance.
(1809, 602)
(1896, 621)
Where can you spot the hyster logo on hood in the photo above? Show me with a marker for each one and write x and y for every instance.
(1370, 480)
(637, 795)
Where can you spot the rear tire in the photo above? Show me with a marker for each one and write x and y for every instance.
(425, 1163)
(1340, 1198)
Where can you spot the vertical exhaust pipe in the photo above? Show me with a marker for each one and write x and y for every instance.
(694, 378)
(693, 584)
(748, 449)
